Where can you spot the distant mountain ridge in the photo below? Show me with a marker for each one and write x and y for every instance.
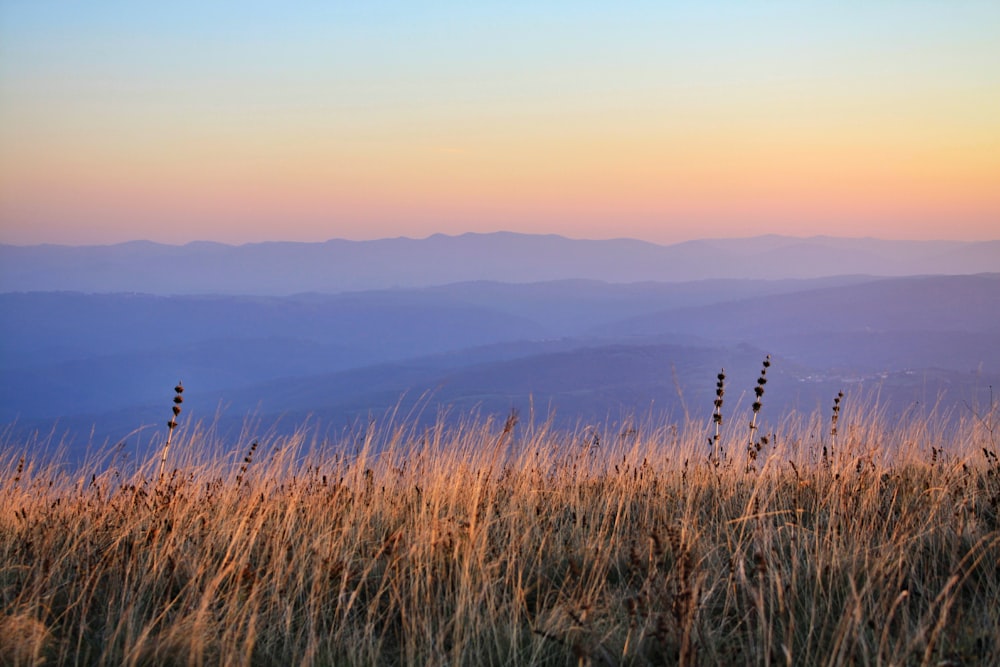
(283, 268)
(912, 303)
(102, 365)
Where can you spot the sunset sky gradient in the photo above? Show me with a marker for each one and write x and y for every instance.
(244, 122)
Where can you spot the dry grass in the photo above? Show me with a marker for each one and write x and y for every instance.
(490, 543)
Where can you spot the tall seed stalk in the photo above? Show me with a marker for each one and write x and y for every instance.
(720, 390)
(753, 448)
(833, 421)
(172, 424)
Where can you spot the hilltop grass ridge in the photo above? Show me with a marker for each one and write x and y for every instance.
(845, 540)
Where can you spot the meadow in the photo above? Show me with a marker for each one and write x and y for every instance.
(848, 537)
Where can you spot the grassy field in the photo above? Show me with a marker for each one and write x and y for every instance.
(497, 542)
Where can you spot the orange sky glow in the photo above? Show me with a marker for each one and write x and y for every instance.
(660, 124)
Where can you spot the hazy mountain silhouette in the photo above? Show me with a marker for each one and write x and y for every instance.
(587, 349)
(922, 303)
(339, 265)
(66, 353)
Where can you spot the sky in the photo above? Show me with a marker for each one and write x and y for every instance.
(663, 121)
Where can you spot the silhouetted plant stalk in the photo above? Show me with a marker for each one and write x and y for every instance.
(172, 424)
(753, 447)
(833, 421)
(714, 441)
(247, 460)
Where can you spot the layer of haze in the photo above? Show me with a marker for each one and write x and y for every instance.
(244, 122)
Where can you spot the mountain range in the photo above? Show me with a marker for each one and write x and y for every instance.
(275, 268)
(93, 366)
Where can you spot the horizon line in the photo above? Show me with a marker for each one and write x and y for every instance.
(499, 232)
